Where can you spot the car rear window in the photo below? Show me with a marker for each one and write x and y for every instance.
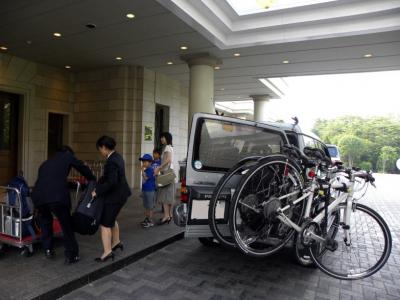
(333, 151)
(219, 145)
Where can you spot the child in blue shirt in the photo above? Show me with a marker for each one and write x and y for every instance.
(148, 189)
(156, 158)
(156, 163)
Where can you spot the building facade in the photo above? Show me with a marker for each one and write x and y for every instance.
(53, 106)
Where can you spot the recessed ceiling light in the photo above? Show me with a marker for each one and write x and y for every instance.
(3, 48)
(236, 54)
(285, 61)
(184, 47)
(57, 34)
(217, 68)
(170, 63)
(91, 26)
(118, 58)
(368, 55)
(68, 67)
(130, 16)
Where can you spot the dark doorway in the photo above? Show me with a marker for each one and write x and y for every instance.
(57, 132)
(9, 112)
(161, 121)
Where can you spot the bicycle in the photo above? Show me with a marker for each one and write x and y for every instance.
(273, 202)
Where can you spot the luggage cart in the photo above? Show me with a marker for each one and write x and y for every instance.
(14, 228)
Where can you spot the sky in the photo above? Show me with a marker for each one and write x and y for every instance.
(331, 96)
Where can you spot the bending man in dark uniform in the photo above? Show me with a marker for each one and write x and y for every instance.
(52, 196)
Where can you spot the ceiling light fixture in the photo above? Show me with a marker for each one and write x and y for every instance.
(170, 63)
(236, 54)
(285, 61)
(67, 67)
(130, 16)
(118, 58)
(3, 48)
(217, 67)
(265, 3)
(184, 47)
(57, 34)
(222, 89)
(367, 55)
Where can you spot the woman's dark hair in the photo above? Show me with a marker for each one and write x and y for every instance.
(107, 142)
(167, 136)
(66, 148)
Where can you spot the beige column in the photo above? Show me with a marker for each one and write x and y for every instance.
(201, 90)
(260, 107)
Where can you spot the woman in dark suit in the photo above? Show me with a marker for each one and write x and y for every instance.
(114, 190)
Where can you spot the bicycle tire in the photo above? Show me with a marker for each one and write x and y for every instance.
(218, 235)
(369, 246)
(272, 165)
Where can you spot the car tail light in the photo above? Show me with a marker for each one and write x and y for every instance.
(184, 191)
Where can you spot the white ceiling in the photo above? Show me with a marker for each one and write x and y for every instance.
(153, 38)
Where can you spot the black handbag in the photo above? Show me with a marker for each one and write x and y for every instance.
(87, 215)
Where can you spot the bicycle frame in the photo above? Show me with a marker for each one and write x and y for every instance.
(344, 197)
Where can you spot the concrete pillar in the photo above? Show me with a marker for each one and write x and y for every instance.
(260, 107)
(201, 90)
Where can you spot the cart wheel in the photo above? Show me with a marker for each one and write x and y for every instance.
(27, 251)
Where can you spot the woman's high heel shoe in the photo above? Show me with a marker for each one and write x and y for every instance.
(104, 259)
(166, 221)
(118, 246)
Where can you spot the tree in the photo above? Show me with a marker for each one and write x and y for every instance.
(376, 133)
(387, 159)
(352, 148)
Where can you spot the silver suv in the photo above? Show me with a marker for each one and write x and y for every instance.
(216, 144)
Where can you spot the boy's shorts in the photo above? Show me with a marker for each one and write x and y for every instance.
(148, 199)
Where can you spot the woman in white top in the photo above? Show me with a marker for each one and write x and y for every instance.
(166, 195)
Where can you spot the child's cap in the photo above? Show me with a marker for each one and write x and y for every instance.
(146, 157)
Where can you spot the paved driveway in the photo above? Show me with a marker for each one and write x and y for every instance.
(188, 270)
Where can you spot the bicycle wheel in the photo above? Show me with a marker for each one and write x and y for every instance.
(218, 224)
(367, 251)
(253, 223)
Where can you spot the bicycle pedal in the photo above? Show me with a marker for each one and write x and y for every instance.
(331, 245)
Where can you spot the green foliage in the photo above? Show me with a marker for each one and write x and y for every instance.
(365, 165)
(375, 140)
(387, 159)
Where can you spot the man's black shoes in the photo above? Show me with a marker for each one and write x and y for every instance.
(71, 260)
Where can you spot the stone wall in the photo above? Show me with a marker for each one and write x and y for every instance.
(109, 101)
(158, 88)
(43, 89)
